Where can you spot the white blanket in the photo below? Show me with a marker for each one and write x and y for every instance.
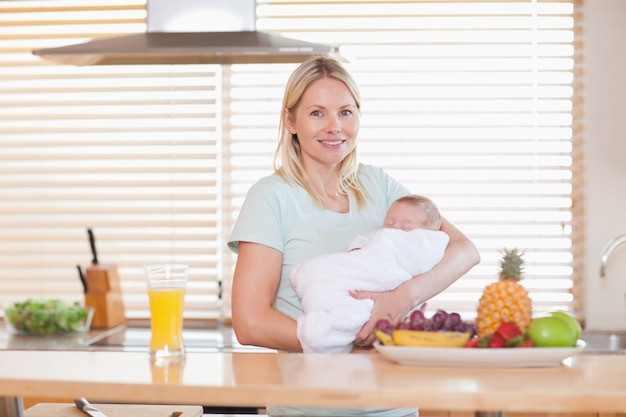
(332, 318)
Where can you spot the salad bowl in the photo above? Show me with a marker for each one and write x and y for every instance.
(47, 317)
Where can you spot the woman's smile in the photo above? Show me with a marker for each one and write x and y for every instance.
(326, 115)
(332, 142)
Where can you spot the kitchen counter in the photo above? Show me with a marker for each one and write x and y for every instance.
(135, 337)
(585, 383)
(113, 366)
(72, 341)
(199, 338)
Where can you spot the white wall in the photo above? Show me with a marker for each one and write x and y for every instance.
(605, 182)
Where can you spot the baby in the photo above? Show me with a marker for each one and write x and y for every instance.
(408, 244)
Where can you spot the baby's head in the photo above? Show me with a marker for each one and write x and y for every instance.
(413, 212)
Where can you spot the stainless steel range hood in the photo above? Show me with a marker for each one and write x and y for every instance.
(178, 34)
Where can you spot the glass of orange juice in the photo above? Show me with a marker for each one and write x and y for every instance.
(166, 293)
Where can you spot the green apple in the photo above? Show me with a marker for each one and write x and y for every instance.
(551, 331)
(570, 320)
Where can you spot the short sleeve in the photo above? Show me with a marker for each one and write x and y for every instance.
(259, 219)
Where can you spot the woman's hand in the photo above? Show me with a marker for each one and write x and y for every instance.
(362, 349)
(391, 305)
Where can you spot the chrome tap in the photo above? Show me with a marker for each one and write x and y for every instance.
(608, 250)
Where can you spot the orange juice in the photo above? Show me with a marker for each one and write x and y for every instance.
(166, 320)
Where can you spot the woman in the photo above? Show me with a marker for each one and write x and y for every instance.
(317, 200)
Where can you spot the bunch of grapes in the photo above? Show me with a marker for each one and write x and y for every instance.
(441, 321)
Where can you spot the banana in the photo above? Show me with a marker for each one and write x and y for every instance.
(385, 338)
(429, 339)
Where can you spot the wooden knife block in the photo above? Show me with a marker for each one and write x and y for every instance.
(105, 296)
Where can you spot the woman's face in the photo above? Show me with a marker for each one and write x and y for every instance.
(326, 122)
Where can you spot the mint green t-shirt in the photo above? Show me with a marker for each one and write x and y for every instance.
(283, 216)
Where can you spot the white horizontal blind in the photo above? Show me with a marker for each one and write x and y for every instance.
(467, 102)
(131, 152)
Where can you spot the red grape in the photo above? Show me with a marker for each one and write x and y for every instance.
(417, 320)
(439, 322)
(452, 320)
(404, 325)
(384, 326)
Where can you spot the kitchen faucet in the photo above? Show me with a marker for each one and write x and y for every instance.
(608, 250)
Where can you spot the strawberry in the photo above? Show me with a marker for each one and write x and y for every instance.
(508, 335)
(497, 341)
(472, 343)
(528, 342)
(509, 331)
(516, 341)
(484, 341)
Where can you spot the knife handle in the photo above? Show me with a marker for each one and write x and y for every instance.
(92, 243)
(81, 403)
(82, 278)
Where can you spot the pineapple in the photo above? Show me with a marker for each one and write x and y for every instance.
(505, 300)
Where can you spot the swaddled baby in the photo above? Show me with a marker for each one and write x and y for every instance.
(408, 244)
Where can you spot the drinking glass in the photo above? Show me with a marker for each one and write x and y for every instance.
(166, 292)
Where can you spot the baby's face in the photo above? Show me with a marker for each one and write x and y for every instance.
(405, 216)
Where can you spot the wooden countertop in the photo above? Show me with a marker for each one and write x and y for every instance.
(584, 383)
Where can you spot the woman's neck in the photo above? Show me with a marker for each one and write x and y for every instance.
(326, 185)
(339, 203)
(332, 199)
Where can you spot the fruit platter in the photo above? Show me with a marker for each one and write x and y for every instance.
(478, 358)
(504, 334)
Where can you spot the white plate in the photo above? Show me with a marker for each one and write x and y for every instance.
(479, 357)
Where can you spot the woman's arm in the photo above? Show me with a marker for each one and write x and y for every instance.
(256, 279)
(460, 256)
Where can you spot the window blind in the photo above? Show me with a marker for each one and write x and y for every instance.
(132, 152)
(470, 103)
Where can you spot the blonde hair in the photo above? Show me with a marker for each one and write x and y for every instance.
(433, 217)
(287, 157)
